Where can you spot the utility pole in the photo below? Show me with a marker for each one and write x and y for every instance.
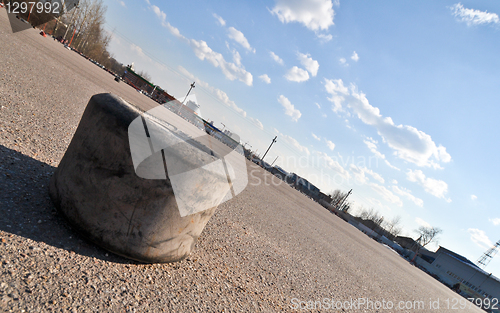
(342, 202)
(71, 23)
(192, 86)
(182, 103)
(151, 94)
(274, 140)
(275, 160)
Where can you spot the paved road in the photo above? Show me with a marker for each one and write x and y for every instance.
(265, 250)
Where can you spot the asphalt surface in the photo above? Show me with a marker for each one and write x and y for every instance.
(263, 251)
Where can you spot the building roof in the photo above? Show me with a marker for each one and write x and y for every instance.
(131, 71)
(456, 256)
(465, 261)
(281, 170)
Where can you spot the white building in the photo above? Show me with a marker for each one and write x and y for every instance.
(453, 268)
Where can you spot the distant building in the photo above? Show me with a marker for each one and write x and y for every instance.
(325, 197)
(141, 84)
(453, 268)
(279, 172)
(161, 96)
(137, 81)
(194, 106)
(232, 135)
(407, 243)
(185, 112)
(303, 185)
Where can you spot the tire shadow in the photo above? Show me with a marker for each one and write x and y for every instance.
(26, 209)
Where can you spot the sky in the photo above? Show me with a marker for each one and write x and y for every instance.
(397, 101)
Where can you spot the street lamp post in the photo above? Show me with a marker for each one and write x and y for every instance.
(71, 23)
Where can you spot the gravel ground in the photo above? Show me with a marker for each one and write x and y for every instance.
(259, 251)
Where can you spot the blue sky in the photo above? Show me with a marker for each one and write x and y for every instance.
(398, 101)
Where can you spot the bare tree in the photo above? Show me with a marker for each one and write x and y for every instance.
(145, 75)
(338, 197)
(364, 213)
(427, 235)
(346, 207)
(372, 215)
(393, 226)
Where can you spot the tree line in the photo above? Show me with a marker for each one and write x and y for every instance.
(425, 234)
(82, 26)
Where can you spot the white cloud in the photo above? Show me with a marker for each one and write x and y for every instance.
(257, 123)
(290, 110)
(292, 141)
(324, 37)
(232, 71)
(495, 221)
(407, 193)
(408, 143)
(315, 137)
(161, 15)
(337, 92)
(473, 197)
(473, 17)
(311, 65)
(265, 78)
(236, 57)
(374, 175)
(480, 238)
(372, 145)
(386, 194)
(437, 188)
(330, 144)
(276, 58)
(317, 104)
(334, 165)
(163, 18)
(354, 56)
(220, 20)
(391, 166)
(421, 222)
(361, 172)
(139, 52)
(296, 74)
(394, 182)
(174, 31)
(314, 14)
(343, 61)
(201, 49)
(221, 95)
(377, 203)
(240, 38)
